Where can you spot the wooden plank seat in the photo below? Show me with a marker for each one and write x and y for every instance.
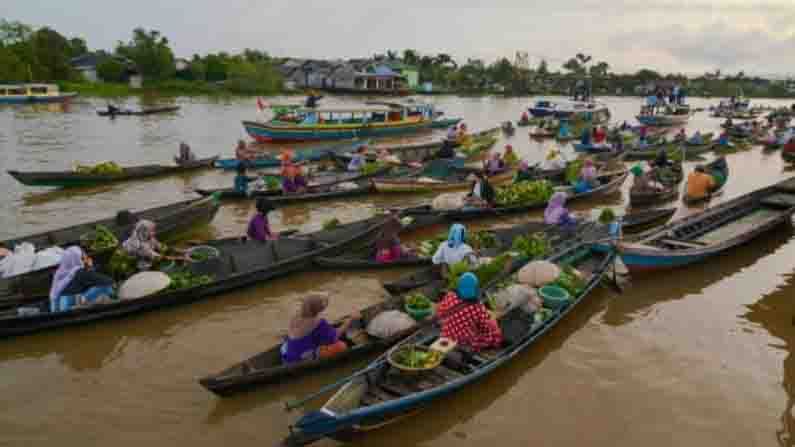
(683, 244)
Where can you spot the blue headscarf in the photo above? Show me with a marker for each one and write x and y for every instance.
(468, 287)
(457, 235)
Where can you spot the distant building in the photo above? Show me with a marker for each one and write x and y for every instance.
(87, 65)
(352, 76)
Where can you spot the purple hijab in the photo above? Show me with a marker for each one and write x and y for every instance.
(71, 262)
(555, 209)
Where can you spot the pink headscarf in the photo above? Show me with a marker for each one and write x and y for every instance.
(555, 209)
(71, 263)
(523, 165)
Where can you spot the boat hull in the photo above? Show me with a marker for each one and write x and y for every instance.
(663, 120)
(64, 97)
(407, 186)
(262, 132)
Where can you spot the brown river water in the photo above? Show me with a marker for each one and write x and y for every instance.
(699, 356)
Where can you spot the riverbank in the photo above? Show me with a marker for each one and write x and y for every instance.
(173, 87)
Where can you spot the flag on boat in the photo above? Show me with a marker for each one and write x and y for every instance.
(261, 105)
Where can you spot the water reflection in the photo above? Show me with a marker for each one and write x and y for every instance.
(776, 313)
(650, 290)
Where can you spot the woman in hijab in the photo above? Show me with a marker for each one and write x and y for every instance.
(494, 164)
(310, 336)
(259, 228)
(387, 245)
(465, 319)
(482, 193)
(293, 182)
(75, 282)
(556, 212)
(143, 244)
(454, 249)
(588, 174)
(509, 157)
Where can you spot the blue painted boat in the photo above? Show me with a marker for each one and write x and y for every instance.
(595, 112)
(307, 155)
(711, 232)
(33, 94)
(337, 124)
(384, 392)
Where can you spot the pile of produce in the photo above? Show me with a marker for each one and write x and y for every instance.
(478, 240)
(331, 224)
(418, 301)
(485, 272)
(573, 169)
(105, 168)
(416, 358)
(570, 281)
(524, 193)
(534, 246)
(607, 216)
(102, 239)
(185, 279)
(372, 167)
(121, 264)
(272, 183)
(478, 145)
(201, 254)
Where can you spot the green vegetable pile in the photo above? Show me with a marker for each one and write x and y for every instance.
(418, 301)
(569, 281)
(428, 247)
(524, 193)
(534, 246)
(100, 240)
(121, 264)
(185, 279)
(105, 168)
(543, 314)
(412, 357)
(607, 216)
(478, 240)
(478, 146)
(372, 167)
(272, 183)
(573, 169)
(485, 273)
(331, 224)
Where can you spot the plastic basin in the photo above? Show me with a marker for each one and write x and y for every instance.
(554, 297)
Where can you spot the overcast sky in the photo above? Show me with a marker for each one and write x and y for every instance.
(692, 36)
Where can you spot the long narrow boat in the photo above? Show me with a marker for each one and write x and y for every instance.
(301, 155)
(424, 150)
(33, 94)
(380, 393)
(142, 112)
(718, 167)
(314, 124)
(321, 187)
(672, 149)
(634, 222)
(170, 220)
(267, 366)
(669, 192)
(610, 184)
(72, 179)
(241, 263)
(456, 181)
(711, 232)
(678, 116)
(788, 156)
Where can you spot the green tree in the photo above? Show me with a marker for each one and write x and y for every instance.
(646, 75)
(214, 68)
(14, 32)
(411, 57)
(111, 70)
(574, 66)
(502, 72)
(151, 53)
(599, 70)
(543, 68)
(77, 47)
(12, 69)
(51, 52)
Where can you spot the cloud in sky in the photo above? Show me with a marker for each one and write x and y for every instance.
(669, 35)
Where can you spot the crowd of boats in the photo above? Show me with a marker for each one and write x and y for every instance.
(474, 300)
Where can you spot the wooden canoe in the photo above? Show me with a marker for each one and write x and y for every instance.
(610, 185)
(242, 263)
(267, 367)
(364, 259)
(672, 149)
(142, 112)
(711, 232)
(380, 394)
(170, 220)
(416, 185)
(718, 166)
(323, 187)
(72, 179)
(788, 156)
(668, 193)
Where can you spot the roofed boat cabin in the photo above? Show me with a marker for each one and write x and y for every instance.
(32, 93)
